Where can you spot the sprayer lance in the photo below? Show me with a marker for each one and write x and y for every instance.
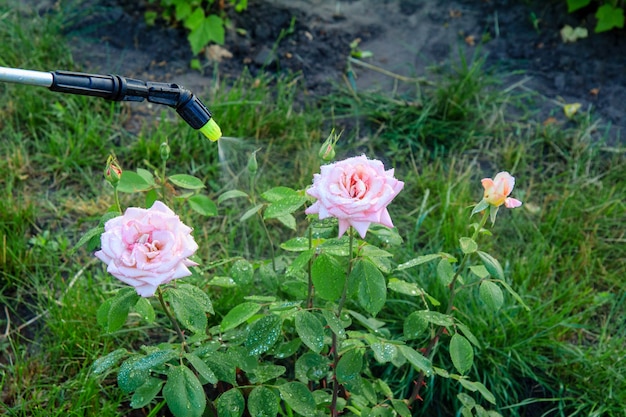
(118, 88)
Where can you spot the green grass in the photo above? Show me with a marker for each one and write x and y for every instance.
(563, 251)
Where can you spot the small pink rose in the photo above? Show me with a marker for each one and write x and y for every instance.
(356, 191)
(147, 247)
(497, 190)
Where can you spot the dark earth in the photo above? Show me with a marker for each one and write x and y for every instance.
(520, 39)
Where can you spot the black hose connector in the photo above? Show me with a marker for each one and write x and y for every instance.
(118, 88)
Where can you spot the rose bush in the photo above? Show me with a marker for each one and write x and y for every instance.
(145, 248)
(356, 191)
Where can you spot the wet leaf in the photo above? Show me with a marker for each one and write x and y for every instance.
(231, 404)
(263, 402)
(239, 314)
(461, 353)
(183, 393)
(146, 393)
(491, 294)
(328, 277)
(299, 398)
(263, 334)
(310, 330)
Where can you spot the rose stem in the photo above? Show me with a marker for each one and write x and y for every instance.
(342, 300)
(172, 319)
(433, 341)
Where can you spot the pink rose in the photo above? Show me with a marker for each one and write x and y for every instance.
(147, 247)
(497, 190)
(356, 191)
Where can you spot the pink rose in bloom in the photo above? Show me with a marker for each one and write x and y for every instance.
(497, 190)
(147, 247)
(356, 191)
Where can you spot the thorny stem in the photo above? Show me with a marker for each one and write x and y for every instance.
(335, 348)
(433, 341)
(172, 319)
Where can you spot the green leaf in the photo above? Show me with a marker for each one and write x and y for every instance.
(418, 261)
(514, 294)
(468, 334)
(436, 317)
(349, 366)
(146, 393)
(384, 352)
(210, 29)
(231, 404)
(573, 5)
(242, 272)
(299, 398)
(96, 232)
(264, 373)
(288, 221)
(262, 402)
(403, 287)
(146, 175)
(445, 272)
(482, 205)
(203, 205)
(334, 323)
(223, 365)
(461, 353)
(229, 195)
(135, 370)
(183, 393)
(491, 294)
(328, 277)
(118, 311)
(372, 289)
(183, 10)
(419, 361)
(401, 408)
(263, 334)
(250, 212)
(105, 363)
(310, 330)
(276, 194)
(284, 206)
(480, 271)
(239, 314)
(468, 245)
(188, 182)
(312, 367)
(131, 182)
(492, 265)
(478, 386)
(190, 305)
(609, 17)
(202, 368)
(298, 244)
(194, 20)
(414, 325)
(145, 310)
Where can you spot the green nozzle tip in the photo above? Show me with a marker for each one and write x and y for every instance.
(211, 130)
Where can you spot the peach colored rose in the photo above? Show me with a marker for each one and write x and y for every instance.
(147, 247)
(356, 191)
(497, 190)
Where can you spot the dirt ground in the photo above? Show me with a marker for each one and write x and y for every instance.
(520, 40)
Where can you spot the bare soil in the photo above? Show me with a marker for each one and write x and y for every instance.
(520, 40)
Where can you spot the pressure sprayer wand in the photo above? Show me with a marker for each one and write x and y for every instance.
(118, 88)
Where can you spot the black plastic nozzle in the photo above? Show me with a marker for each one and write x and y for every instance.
(118, 88)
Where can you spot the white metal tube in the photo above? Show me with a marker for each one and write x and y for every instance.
(21, 76)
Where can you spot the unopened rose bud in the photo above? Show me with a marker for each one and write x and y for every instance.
(165, 151)
(253, 165)
(112, 171)
(327, 150)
